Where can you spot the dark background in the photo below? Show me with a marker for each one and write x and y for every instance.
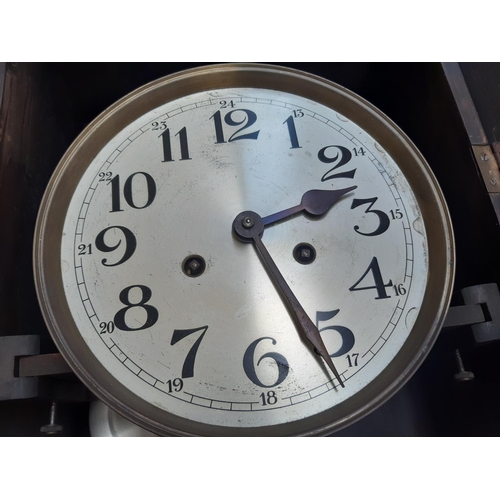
(46, 105)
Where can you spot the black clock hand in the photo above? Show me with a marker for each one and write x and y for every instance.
(306, 325)
(314, 202)
(248, 227)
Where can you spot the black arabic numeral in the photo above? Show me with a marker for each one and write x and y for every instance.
(128, 192)
(383, 219)
(85, 249)
(249, 364)
(346, 335)
(159, 125)
(152, 312)
(105, 176)
(175, 385)
(359, 151)
(188, 366)
(292, 131)
(130, 244)
(352, 359)
(108, 327)
(225, 104)
(268, 398)
(167, 145)
(340, 157)
(399, 290)
(396, 214)
(374, 268)
(247, 121)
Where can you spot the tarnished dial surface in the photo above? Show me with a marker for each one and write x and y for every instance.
(183, 318)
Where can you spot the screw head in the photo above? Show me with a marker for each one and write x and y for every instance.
(247, 222)
(51, 429)
(464, 376)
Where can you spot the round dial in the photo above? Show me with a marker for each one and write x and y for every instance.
(243, 250)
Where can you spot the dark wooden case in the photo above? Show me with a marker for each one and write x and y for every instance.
(44, 106)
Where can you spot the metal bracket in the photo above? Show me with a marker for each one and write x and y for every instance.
(12, 387)
(487, 156)
(481, 311)
(43, 364)
(465, 315)
(488, 296)
(24, 373)
(487, 164)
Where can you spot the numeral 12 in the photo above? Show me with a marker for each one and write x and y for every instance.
(249, 118)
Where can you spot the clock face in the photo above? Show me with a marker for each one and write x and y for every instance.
(187, 320)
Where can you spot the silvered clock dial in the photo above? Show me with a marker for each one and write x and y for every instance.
(243, 250)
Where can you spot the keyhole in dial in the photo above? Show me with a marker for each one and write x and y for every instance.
(304, 253)
(194, 266)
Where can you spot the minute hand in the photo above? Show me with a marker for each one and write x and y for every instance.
(307, 326)
(314, 202)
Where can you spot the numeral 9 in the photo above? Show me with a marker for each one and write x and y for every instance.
(130, 244)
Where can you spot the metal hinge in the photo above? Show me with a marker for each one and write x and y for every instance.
(25, 373)
(480, 311)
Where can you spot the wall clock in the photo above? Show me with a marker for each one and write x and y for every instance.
(243, 250)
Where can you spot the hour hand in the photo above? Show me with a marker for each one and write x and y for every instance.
(314, 202)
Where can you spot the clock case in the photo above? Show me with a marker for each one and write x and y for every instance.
(64, 99)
